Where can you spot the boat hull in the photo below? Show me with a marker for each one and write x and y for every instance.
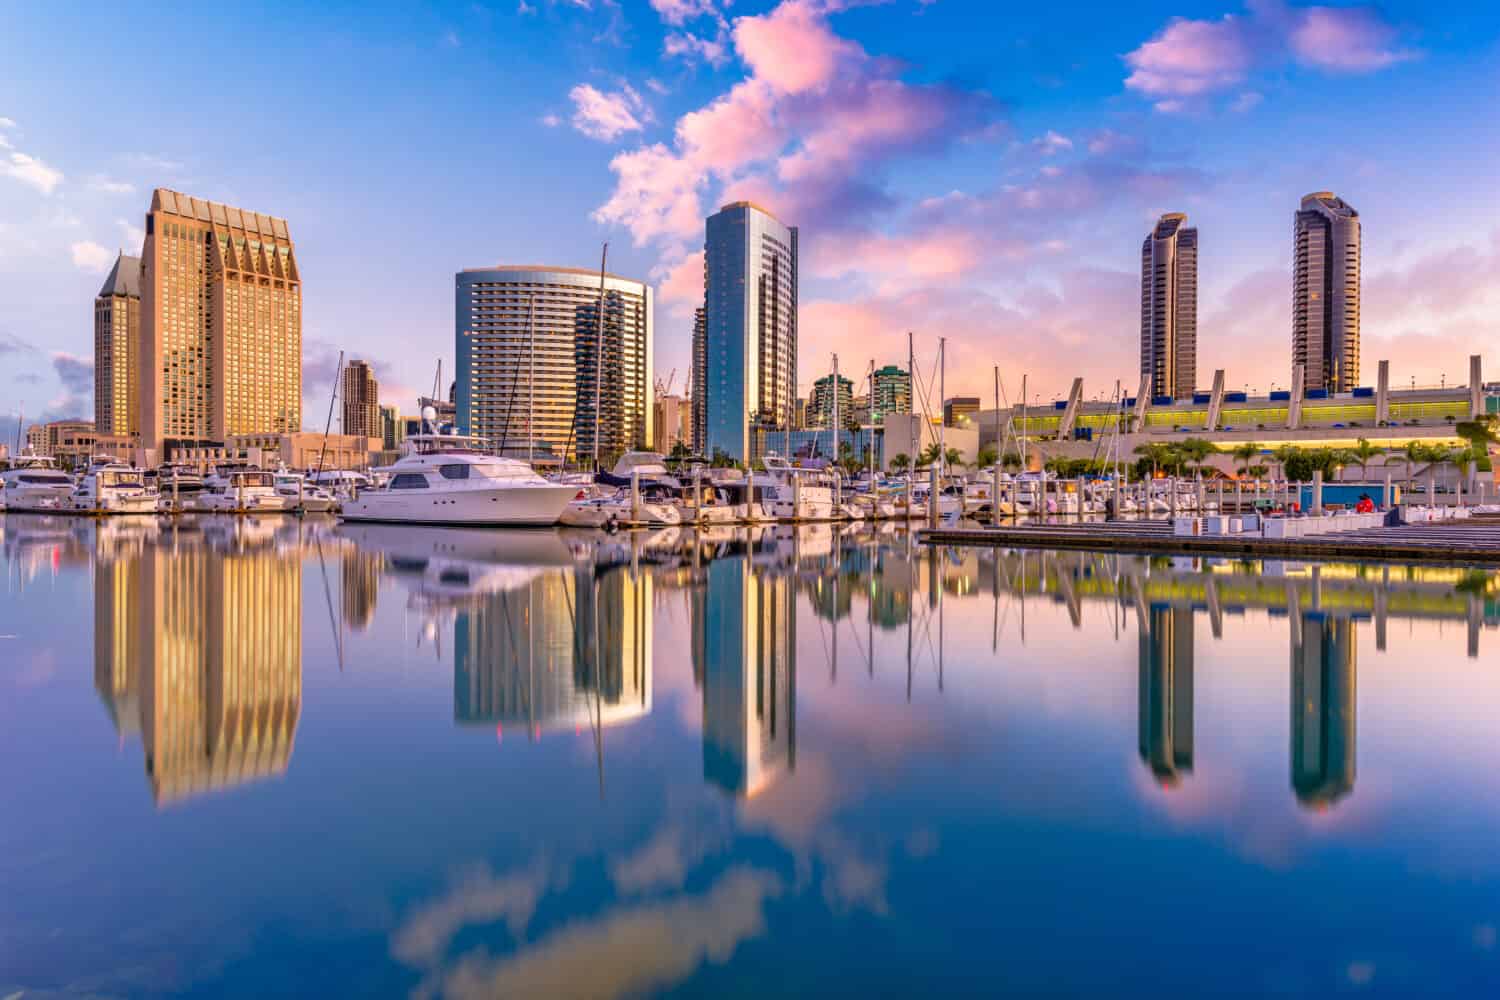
(517, 506)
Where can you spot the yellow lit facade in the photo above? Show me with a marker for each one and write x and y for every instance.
(117, 321)
(221, 324)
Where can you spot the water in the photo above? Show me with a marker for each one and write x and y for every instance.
(271, 758)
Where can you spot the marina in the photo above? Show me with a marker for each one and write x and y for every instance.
(472, 755)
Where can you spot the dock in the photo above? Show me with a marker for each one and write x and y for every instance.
(1470, 542)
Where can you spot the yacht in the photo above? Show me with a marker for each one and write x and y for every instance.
(446, 479)
(35, 483)
(113, 489)
(240, 491)
(798, 494)
(300, 495)
(177, 488)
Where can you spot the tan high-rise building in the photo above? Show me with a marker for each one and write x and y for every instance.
(1169, 307)
(117, 329)
(361, 395)
(221, 324)
(1325, 293)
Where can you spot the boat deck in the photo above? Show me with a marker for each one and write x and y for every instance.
(1476, 540)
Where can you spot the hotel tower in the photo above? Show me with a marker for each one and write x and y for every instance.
(221, 325)
(1169, 308)
(527, 341)
(750, 335)
(1325, 293)
(117, 328)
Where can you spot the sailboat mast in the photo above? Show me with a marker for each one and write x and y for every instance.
(599, 356)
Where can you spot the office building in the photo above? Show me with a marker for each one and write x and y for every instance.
(1323, 703)
(1165, 708)
(1169, 308)
(746, 662)
(360, 394)
(221, 325)
(820, 405)
(1325, 293)
(36, 439)
(697, 379)
(117, 329)
(960, 411)
(527, 345)
(750, 304)
(890, 392)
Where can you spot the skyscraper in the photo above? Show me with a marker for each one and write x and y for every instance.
(820, 406)
(697, 379)
(117, 329)
(221, 324)
(532, 332)
(361, 395)
(959, 411)
(891, 394)
(1325, 292)
(750, 312)
(1169, 307)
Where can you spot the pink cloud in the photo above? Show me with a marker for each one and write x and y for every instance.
(809, 130)
(681, 285)
(1190, 59)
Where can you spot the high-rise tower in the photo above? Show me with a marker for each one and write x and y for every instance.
(1325, 293)
(117, 330)
(750, 316)
(1169, 307)
(221, 324)
(361, 398)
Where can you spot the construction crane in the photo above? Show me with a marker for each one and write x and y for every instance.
(665, 389)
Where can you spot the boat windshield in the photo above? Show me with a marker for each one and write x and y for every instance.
(41, 477)
(121, 479)
(251, 479)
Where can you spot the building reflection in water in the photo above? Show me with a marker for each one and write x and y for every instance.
(1323, 709)
(201, 651)
(745, 652)
(566, 649)
(1165, 713)
(359, 585)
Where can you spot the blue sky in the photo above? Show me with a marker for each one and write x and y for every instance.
(958, 168)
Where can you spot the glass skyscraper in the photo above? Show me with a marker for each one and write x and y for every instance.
(750, 327)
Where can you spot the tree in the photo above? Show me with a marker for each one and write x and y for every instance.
(1258, 471)
(900, 462)
(721, 460)
(987, 457)
(1285, 454)
(1154, 455)
(929, 455)
(953, 458)
(1244, 453)
(1010, 460)
(1363, 451)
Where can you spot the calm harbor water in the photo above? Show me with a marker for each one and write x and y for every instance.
(273, 758)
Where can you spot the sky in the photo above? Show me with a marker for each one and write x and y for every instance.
(973, 171)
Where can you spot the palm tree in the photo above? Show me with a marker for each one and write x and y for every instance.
(1363, 451)
(1243, 453)
(953, 458)
(987, 457)
(1010, 460)
(929, 455)
(900, 462)
(1258, 471)
(1159, 454)
(1286, 453)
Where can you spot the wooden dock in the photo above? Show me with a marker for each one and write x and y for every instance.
(1470, 542)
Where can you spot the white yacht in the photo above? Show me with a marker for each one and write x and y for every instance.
(446, 479)
(240, 491)
(113, 489)
(299, 494)
(800, 494)
(35, 483)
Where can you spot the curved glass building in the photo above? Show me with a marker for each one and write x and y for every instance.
(503, 358)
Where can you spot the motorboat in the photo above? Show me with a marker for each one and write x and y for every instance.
(240, 491)
(445, 479)
(301, 495)
(798, 494)
(112, 489)
(35, 484)
(346, 484)
(177, 488)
